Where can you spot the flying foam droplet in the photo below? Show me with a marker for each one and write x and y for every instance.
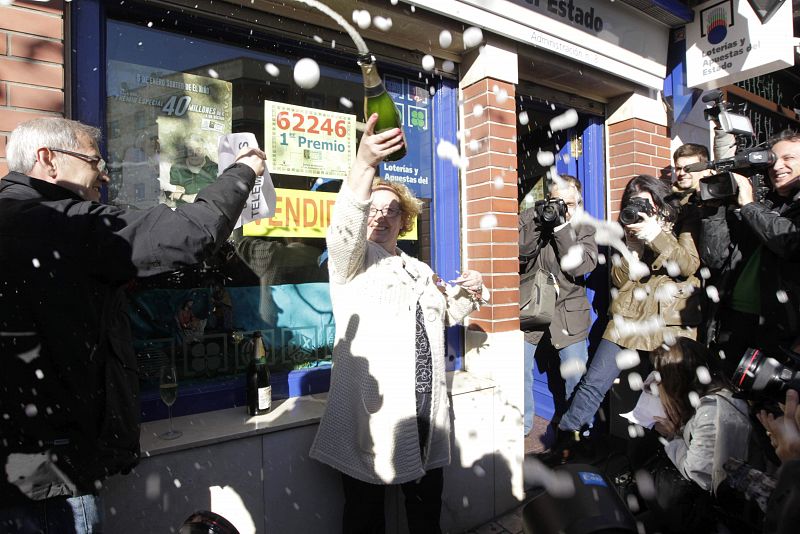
(272, 70)
(382, 23)
(448, 66)
(545, 158)
(445, 39)
(565, 121)
(635, 381)
(572, 367)
(477, 110)
(703, 375)
(428, 63)
(488, 221)
(306, 73)
(214, 74)
(363, 19)
(572, 259)
(782, 296)
(712, 293)
(346, 102)
(523, 118)
(473, 36)
(694, 399)
(501, 95)
(627, 359)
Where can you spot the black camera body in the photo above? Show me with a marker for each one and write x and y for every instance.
(550, 213)
(632, 212)
(759, 375)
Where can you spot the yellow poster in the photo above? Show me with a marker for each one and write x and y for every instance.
(308, 142)
(300, 213)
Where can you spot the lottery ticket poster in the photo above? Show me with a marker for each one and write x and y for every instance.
(310, 142)
(163, 131)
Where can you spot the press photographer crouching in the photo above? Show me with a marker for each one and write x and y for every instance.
(554, 310)
(759, 247)
(766, 381)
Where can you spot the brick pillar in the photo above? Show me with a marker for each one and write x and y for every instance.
(636, 147)
(31, 63)
(491, 195)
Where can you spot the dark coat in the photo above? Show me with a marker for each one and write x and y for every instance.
(776, 224)
(69, 381)
(571, 320)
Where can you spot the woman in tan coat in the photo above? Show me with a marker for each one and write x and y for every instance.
(655, 297)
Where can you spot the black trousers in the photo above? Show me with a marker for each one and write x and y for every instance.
(363, 505)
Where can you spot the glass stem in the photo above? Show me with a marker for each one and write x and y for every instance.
(169, 411)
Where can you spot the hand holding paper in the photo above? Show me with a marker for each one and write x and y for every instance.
(243, 148)
(647, 412)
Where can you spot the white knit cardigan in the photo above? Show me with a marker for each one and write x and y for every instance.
(369, 429)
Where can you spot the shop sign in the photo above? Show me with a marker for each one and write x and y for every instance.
(415, 170)
(728, 43)
(300, 213)
(163, 131)
(303, 141)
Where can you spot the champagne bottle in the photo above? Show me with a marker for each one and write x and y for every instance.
(377, 100)
(259, 391)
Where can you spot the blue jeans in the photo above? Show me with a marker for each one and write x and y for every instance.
(57, 515)
(593, 387)
(576, 351)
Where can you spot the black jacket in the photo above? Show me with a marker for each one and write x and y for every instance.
(776, 224)
(730, 236)
(571, 320)
(69, 378)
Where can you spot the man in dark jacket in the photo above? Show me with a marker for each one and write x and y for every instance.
(69, 385)
(568, 253)
(753, 254)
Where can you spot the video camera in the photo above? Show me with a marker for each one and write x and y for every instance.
(759, 375)
(747, 161)
(551, 212)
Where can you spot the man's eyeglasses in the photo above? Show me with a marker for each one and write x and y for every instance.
(389, 213)
(94, 160)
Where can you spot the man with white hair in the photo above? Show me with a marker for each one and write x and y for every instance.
(69, 385)
(567, 253)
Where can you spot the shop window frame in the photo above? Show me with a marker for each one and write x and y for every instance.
(87, 75)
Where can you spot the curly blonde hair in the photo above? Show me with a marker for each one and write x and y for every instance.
(410, 206)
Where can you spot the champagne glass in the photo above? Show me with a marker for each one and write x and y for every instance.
(168, 388)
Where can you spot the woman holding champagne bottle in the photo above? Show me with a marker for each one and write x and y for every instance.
(387, 419)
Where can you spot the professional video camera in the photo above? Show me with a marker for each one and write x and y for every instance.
(759, 375)
(747, 161)
(551, 212)
(631, 212)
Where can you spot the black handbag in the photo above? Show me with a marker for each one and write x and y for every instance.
(537, 298)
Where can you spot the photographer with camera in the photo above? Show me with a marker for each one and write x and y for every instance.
(752, 249)
(548, 242)
(655, 299)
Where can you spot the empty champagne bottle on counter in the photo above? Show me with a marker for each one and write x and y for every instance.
(259, 391)
(377, 100)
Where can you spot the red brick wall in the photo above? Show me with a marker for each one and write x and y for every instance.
(491, 190)
(635, 147)
(31, 64)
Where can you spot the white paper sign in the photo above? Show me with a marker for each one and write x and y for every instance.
(727, 43)
(262, 199)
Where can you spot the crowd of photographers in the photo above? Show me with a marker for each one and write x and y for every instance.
(710, 279)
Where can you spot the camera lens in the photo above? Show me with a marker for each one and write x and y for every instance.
(629, 215)
(549, 213)
(761, 374)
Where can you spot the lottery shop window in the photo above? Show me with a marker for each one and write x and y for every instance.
(165, 113)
